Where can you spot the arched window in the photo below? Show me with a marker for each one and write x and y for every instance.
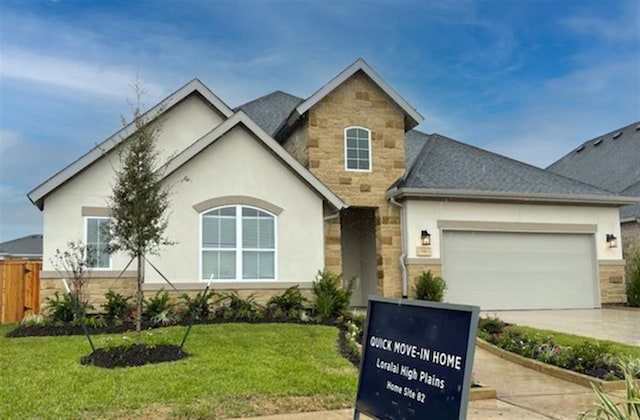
(238, 243)
(357, 149)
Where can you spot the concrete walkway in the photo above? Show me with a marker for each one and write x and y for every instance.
(616, 324)
(522, 394)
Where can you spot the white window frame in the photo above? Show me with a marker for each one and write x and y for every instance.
(346, 159)
(238, 249)
(86, 241)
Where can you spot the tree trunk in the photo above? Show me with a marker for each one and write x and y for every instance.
(139, 299)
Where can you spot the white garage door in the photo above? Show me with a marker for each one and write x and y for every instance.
(504, 270)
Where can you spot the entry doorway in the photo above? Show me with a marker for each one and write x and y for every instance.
(358, 243)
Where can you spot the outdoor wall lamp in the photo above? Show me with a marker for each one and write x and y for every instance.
(425, 237)
(612, 241)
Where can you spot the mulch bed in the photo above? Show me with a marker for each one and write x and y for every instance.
(134, 355)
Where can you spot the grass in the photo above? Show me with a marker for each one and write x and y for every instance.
(233, 370)
(571, 340)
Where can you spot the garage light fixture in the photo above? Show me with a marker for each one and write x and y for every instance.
(612, 241)
(425, 237)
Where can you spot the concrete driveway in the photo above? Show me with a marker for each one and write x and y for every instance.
(615, 324)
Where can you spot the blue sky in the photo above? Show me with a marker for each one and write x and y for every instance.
(529, 79)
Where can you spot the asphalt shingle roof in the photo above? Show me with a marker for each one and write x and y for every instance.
(447, 164)
(26, 246)
(611, 161)
(271, 110)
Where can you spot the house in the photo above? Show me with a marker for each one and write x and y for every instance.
(283, 186)
(610, 162)
(27, 247)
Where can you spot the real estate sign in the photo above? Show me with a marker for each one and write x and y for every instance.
(417, 359)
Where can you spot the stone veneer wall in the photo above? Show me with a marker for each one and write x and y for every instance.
(612, 282)
(359, 102)
(630, 237)
(95, 289)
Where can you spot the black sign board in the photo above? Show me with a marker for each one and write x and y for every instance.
(417, 358)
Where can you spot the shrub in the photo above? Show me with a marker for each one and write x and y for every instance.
(59, 308)
(331, 295)
(290, 301)
(158, 304)
(589, 355)
(117, 306)
(33, 320)
(491, 325)
(197, 307)
(633, 278)
(608, 407)
(430, 287)
(238, 307)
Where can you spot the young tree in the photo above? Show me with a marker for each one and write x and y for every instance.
(139, 199)
(73, 263)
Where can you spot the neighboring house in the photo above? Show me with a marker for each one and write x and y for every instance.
(610, 162)
(282, 187)
(27, 247)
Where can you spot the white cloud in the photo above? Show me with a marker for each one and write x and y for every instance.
(70, 73)
(622, 26)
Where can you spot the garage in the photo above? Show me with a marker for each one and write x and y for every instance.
(520, 270)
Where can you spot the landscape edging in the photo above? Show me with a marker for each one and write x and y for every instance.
(555, 371)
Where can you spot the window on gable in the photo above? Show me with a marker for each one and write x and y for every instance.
(238, 242)
(357, 149)
(97, 240)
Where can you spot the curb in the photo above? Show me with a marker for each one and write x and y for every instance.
(557, 372)
(482, 393)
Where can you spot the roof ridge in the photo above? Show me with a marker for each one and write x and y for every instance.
(266, 95)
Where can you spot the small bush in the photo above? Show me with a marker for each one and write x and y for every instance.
(158, 306)
(117, 306)
(197, 307)
(491, 325)
(289, 303)
(633, 278)
(237, 307)
(331, 296)
(430, 287)
(59, 308)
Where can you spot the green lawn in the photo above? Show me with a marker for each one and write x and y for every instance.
(571, 340)
(233, 369)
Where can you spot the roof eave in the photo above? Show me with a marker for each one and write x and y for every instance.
(38, 194)
(412, 116)
(614, 201)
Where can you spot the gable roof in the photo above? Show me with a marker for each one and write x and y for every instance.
(610, 161)
(25, 247)
(240, 118)
(412, 116)
(444, 167)
(270, 111)
(195, 86)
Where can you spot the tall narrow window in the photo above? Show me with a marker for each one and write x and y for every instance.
(97, 233)
(238, 242)
(357, 149)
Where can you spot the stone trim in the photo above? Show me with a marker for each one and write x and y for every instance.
(237, 199)
(93, 274)
(611, 262)
(424, 261)
(226, 285)
(95, 211)
(517, 226)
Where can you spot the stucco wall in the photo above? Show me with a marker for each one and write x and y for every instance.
(424, 214)
(235, 165)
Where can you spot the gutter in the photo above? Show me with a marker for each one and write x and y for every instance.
(403, 256)
(398, 193)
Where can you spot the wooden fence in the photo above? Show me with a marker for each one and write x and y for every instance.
(19, 289)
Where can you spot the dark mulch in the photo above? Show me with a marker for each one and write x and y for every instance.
(134, 355)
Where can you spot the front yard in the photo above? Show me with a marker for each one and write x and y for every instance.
(235, 369)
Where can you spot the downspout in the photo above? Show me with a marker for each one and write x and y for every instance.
(403, 256)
